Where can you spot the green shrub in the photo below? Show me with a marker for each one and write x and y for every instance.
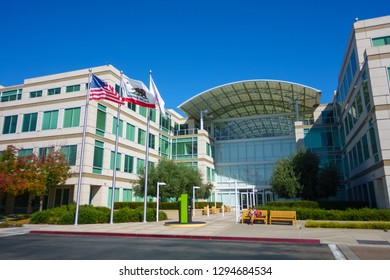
(353, 225)
(294, 204)
(125, 215)
(162, 205)
(67, 219)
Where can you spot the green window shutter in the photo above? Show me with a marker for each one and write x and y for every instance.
(70, 152)
(152, 114)
(132, 106)
(72, 117)
(98, 157)
(130, 132)
(53, 91)
(118, 161)
(29, 122)
(116, 195)
(50, 119)
(25, 152)
(142, 111)
(73, 88)
(141, 136)
(10, 123)
(127, 195)
(152, 141)
(140, 165)
(101, 120)
(114, 124)
(129, 164)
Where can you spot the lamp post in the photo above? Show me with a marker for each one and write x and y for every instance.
(193, 199)
(158, 194)
(201, 118)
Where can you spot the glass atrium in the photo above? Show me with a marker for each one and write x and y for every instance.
(251, 126)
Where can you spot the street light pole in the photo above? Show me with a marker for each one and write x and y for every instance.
(201, 118)
(158, 198)
(193, 199)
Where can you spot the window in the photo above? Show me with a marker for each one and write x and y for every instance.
(127, 195)
(141, 137)
(25, 152)
(140, 166)
(165, 123)
(130, 132)
(11, 95)
(120, 132)
(360, 152)
(132, 106)
(208, 149)
(73, 88)
(116, 196)
(152, 114)
(72, 117)
(388, 73)
(62, 197)
(98, 157)
(164, 147)
(381, 41)
(184, 148)
(43, 152)
(118, 161)
(70, 152)
(353, 62)
(366, 93)
(10, 123)
(366, 151)
(142, 111)
(50, 120)
(53, 91)
(374, 146)
(129, 164)
(101, 120)
(37, 93)
(29, 122)
(152, 141)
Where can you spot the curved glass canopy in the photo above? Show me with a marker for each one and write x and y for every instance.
(254, 108)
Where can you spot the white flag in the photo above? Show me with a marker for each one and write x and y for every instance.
(134, 91)
(160, 102)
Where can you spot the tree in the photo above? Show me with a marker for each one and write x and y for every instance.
(328, 179)
(284, 181)
(306, 164)
(20, 174)
(179, 179)
(55, 169)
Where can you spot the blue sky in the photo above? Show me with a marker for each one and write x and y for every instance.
(190, 45)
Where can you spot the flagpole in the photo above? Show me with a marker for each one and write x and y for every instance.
(146, 163)
(115, 160)
(82, 149)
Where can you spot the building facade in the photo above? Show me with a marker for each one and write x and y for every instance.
(233, 133)
(48, 113)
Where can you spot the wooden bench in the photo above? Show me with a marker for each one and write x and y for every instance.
(245, 216)
(283, 216)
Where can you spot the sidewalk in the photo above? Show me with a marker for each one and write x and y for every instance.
(354, 243)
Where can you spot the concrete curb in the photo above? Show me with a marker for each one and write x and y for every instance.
(194, 237)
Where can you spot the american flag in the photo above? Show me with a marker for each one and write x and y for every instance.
(101, 90)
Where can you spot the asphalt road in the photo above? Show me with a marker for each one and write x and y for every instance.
(61, 247)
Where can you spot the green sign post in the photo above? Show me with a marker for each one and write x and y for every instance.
(183, 208)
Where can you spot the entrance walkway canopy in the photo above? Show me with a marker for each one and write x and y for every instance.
(253, 98)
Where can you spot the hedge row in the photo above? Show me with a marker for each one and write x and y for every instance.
(162, 205)
(65, 215)
(329, 205)
(294, 204)
(364, 214)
